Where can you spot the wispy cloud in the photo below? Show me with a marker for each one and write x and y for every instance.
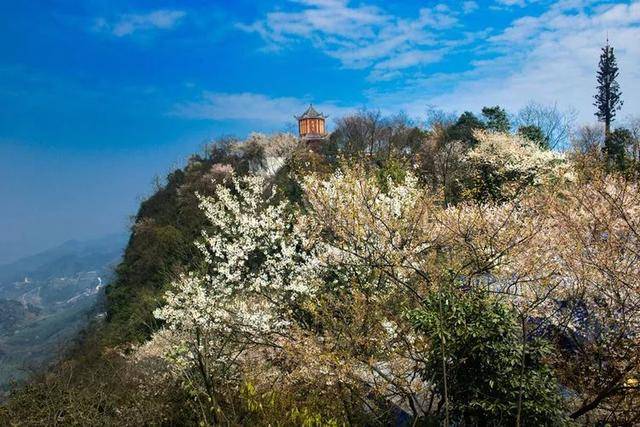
(551, 57)
(361, 36)
(520, 3)
(470, 6)
(507, 4)
(392, 67)
(219, 106)
(127, 24)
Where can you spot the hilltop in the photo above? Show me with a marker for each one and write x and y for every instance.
(386, 274)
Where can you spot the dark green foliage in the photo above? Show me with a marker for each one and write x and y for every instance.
(328, 150)
(489, 365)
(151, 260)
(615, 148)
(158, 246)
(161, 244)
(392, 169)
(287, 186)
(496, 119)
(534, 134)
(607, 98)
(488, 184)
(463, 128)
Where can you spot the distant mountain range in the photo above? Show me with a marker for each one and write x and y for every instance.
(66, 259)
(46, 298)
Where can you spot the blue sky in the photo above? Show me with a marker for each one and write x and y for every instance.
(98, 97)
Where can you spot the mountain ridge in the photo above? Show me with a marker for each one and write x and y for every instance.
(65, 259)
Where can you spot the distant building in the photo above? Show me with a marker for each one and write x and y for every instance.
(311, 126)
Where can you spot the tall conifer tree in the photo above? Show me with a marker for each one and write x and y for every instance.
(607, 97)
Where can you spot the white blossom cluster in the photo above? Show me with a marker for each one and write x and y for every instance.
(258, 264)
(511, 154)
(365, 251)
(275, 150)
(278, 145)
(372, 227)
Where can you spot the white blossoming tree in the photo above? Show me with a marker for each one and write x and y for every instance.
(596, 239)
(320, 302)
(258, 266)
(399, 245)
(504, 165)
(273, 150)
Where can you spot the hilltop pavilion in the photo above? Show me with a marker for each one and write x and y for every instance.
(311, 125)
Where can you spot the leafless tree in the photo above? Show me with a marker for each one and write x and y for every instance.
(441, 163)
(371, 133)
(588, 139)
(555, 124)
(437, 118)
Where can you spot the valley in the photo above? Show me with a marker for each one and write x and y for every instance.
(46, 300)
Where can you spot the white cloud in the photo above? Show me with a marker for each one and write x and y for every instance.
(360, 36)
(128, 24)
(505, 4)
(248, 106)
(520, 3)
(550, 58)
(390, 68)
(470, 6)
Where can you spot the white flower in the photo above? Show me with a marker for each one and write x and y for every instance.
(256, 267)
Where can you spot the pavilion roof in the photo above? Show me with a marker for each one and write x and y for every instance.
(311, 113)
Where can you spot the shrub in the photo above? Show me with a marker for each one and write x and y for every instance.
(482, 367)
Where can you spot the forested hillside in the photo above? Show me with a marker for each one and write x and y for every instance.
(461, 272)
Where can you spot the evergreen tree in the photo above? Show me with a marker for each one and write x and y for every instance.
(534, 134)
(497, 119)
(463, 128)
(607, 97)
(615, 148)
